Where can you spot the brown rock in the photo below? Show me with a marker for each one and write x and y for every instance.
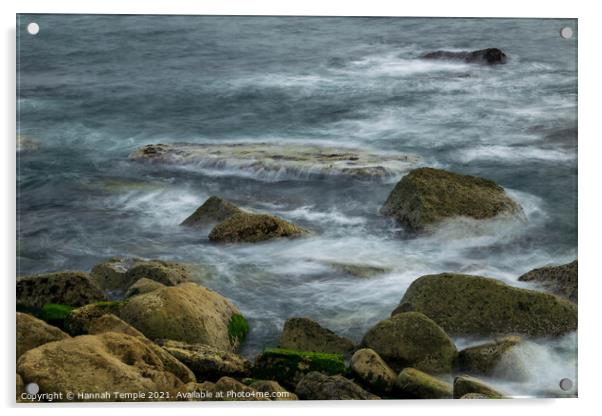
(274, 390)
(414, 384)
(33, 332)
(214, 210)
(111, 323)
(465, 384)
(373, 371)
(142, 286)
(246, 227)
(561, 280)
(317, 386)
(305, 334)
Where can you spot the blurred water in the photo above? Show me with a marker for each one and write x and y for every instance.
(92, 89)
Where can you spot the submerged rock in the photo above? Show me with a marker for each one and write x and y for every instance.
(188, 312)
(414, 384)
(464, 385)
(427, 196)
(213, 210)
(485, 358)
(373, 371)
(490, 56)
(358, 270)
(317, 386)
(143, 285)
(252, 228)
(269, 160)
(206, 362)
(307, 335)
(289, 366)
(412, 340)
(68, 288)
(475, 305)
(108, 362)
(273, 389)
(561, 280)
(33, 332)
(25, 143)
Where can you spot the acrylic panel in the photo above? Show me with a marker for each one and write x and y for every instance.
(295, 208)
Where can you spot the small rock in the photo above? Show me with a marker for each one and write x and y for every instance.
(79, 320)
(414, 384)
(274, 390)
(142, 286)
(213, 211)
(489, 56)
(206, 362)
(32, 332)
(289, 366)
(317, 386)
(561, 280)
(465, 384)
(465, 305)
(226, 389)
(305, 334)
(111, 274)
(427, 196)
(165, 272)
(189, 313)
(412, 339)
(252, 228)
(358, 270)
(373, 371)
(68, 288)
(485, 358)
(108, 362)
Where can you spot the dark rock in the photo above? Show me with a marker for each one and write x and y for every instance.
(561, 280)
(485, 358)
(273, 389)
(79, 320)
(252, 228)
(317, 386)
(307, 335)
(414, 384)
(373, 371)
(427, 196)
(475, 305)
(489, 56)
(68, 288)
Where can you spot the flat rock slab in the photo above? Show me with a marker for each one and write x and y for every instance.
(265, 159)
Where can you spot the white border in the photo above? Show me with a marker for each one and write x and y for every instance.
(589, 190)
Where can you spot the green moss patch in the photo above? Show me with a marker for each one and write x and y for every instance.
(238, 327)
(55, 314)
(288, 366)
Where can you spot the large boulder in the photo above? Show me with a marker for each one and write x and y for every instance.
(245, 227)
(95, 364)
(274, 390)
(489, 56)
(561, 280)
(142, 286)
(318, 386)
(373, 371)
(412, 340)
(481, 306)
(464, 385)
(69, 288)
(206, 362)
(427, 196)
(32, 332)
(307, 335)
(212, 211)
(415, 384)
(486, 359)
(289, 366)
(188, 312)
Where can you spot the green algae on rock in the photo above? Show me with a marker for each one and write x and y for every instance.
(55, 314)
(275, 159)
(426, 196)
(476, 305)
(304, 334)
(317, 386)
(252, 228)
(213, 210)
(415, 384)
(187, 312)
(412, 339)
(238, 327)
(289, 366)
(66, 288)
(560, 280)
